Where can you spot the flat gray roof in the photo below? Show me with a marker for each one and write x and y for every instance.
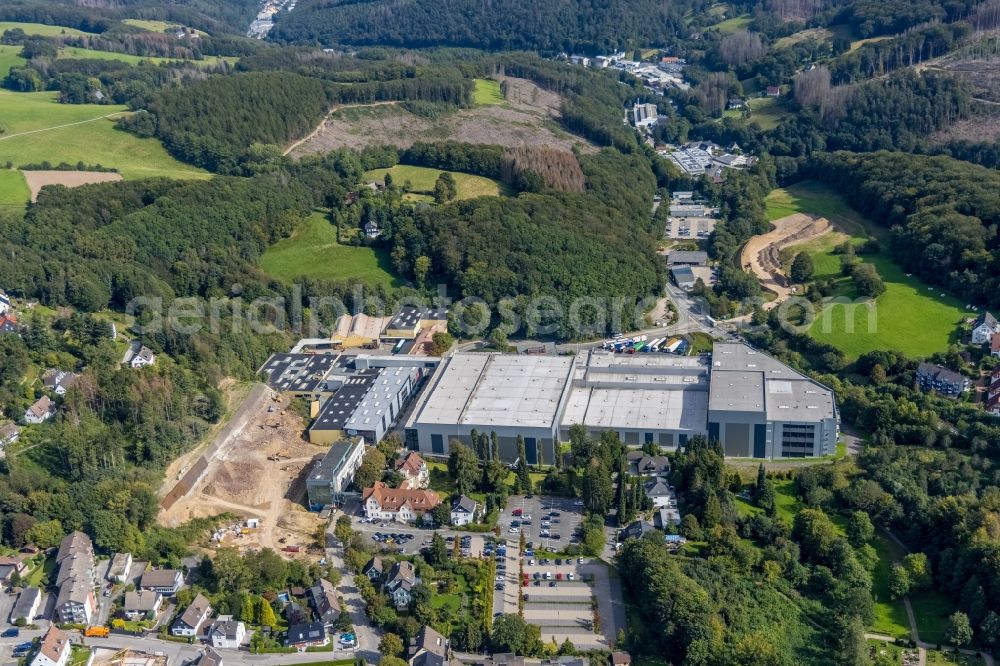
(642, 408)
(327, 468)
(496, 389)
(744, 379)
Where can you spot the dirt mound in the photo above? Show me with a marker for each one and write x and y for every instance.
(39, 179)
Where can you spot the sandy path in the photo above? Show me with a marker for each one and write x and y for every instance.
(39, 179)
(761, 254)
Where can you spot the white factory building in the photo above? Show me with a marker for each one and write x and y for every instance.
(644, 397)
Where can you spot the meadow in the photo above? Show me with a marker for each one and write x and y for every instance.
(313, 251)
(733, 25)
(890, 614)
(41, 29)
(909, 317)
(91, 54)
(487, 92)
(9, 58)
(155, 26)
(421, 181)
(40, 129)
(13, 189)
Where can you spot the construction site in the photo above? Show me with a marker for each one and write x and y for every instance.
(762, 254)
(255, 468)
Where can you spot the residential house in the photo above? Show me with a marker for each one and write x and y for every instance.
(995, 345)
(940, 379)
(414, 470)
(303, 636)
(372, 230)
(375, 570)
(621, 659)
(402, 505)
(660, 493)
(8, 324)
(9, 433)
(674, 541)
(503, 659)
(118, 568)
(773, 91)
(4, 303)
(11, 565)
(41, 411)
(636, 530)
(226, 632)
(54, 649)
(643, 464)
(75, 602)
(993, 394)
(188, 623)
(428, 648)
(58, 381)
(325, 602)
(984, 328)
(463, 511)
(209, 658)
(141, 604)
(27, 605)
(143, 357)
(164, 581)
(400, 582)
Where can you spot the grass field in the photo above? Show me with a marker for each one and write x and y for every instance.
(890, 615)
(313, 251)
(819, 34)
(733, 25)
(40, 129)
(91, 54)
(422, 181)
(13, 190)
(487, 92)
(768, 112)
(9, 58)
(155, 26)
(41, 29)
(908, 317)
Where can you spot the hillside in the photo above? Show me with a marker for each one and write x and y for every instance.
(515, 24)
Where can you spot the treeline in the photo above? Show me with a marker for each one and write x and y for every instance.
(881, 57)
(87, 19)
(91, 81)
(868, 18)
(213, 123)
(579, 25)
(524, 168)
(944, 214)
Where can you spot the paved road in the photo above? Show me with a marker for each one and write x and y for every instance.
(368, 636)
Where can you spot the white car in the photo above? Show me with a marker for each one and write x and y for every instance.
(500, 578)
(531, 563)
(570, 576)
(514, 530)
(578, 503)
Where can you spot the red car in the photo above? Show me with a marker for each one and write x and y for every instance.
(517, 512)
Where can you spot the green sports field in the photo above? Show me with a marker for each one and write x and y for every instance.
(422, 181)
(39, 129)
(908, 317)
(487, 92)
(313, 251)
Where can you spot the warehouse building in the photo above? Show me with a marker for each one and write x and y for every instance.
(761, 408)
(359, 395)
(753, 404)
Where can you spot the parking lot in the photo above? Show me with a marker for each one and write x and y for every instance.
(548, 523)
(689, 228)
(560, 596)
(400, 538)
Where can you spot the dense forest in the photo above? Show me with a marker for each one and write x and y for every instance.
(582, 25)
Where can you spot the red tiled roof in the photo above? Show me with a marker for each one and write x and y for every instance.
(393, 499)
(410, 463)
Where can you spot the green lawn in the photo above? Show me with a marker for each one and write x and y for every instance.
(931, 610)
(78, 132)
(9, 58)
(942, 658)
(422, 181)
(487, 92)
(13, 190)
(48, 569)
(92, 54)
(768, 112)
(734, 24)
(155, 26)
(41, 29)
(908, 317)
(700, 342)
(313, 251)
(890, 615)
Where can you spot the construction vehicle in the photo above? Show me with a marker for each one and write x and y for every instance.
(96, 631)
(281, 455)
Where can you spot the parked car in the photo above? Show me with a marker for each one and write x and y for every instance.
(10, 632)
